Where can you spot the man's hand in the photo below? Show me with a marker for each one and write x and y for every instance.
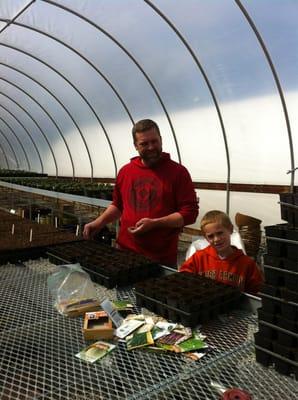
(174, 220)
(89, 230)
(110, 214)
(142, 226)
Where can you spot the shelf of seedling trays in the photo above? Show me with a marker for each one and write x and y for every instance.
(38, 348)
(277, 339)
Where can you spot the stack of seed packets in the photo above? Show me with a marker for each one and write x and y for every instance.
(161, 335)
(153, 333)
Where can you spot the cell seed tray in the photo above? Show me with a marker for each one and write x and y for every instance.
(279, 344)
(289, 208)
(282, 364)
(282, 241)
(278, 335)
(277, 321)
(276, 306)
(281, 262)
(281, 278)
(18, 255)
(187, 298)
(280, 292)
(69, 252)
(106, 265)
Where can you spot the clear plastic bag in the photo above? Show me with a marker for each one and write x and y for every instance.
(72, 290)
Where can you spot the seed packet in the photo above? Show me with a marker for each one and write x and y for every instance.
(171, 338)
(139, 340)
(139, 317)
(120, 305)
(165, 347)
(162, 328)
(179, 327)
(186, 334)
(148, 325)
(95, 351)
(191, 345)
(127, 327)
(156, 349)
(108, 307)
(194, 356)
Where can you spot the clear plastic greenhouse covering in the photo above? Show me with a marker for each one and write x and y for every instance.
(219, 77)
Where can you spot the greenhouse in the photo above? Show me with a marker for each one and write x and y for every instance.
(138, 140)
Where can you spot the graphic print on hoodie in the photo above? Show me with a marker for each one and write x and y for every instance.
(143, 192)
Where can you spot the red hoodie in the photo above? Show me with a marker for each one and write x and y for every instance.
(235, 270)
(143, 192)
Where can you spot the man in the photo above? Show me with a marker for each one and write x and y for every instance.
(154, 198)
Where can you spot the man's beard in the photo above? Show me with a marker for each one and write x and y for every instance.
(151, 158)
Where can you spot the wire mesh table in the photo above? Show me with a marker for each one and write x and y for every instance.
(38, 347)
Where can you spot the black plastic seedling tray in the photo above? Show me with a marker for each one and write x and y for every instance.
(101, 278)
(277, 334)
(266, 316)
(282, 241)
(277, 247)
(280, 292)
(279, 343)
(281, 278)
(286, 323)
(71, 252)
(275, 344)
(187, 298)
(289, 208)
(281, 262)
(16, 255)
(31, 252)
(282, 364)
(106, 265)
(276, 306)
(277, 230)
(277, 321)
